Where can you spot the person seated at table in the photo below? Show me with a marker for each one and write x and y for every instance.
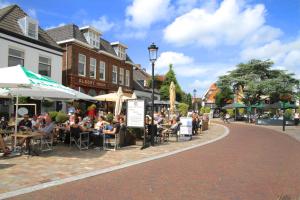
(76, 128)
(173, 125)
(35, 123)
(100, 124)
(48, 128)
(3, 147)
(115, 127)
(25, 123)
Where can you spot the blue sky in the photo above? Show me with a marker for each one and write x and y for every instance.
(201, 38)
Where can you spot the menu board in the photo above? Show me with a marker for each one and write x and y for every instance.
(136, 113)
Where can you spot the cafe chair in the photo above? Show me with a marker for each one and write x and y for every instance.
(111, 141)
(81, 139)
(47, 142)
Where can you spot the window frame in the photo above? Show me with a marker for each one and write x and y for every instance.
(121, 76)
(16, 49)
(127, 78)
(114, 72)
(95, 67)
(50, 65)
(104, 70)
(84, 68)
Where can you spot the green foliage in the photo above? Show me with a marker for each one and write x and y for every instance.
(61, 117)
(164, 89)
(256, 79)
(241, 111)
(187, 99)
(53, 115)
(110, 117)
(288, 114)
(23, 100)
(223, 96)
(230, 112)
(204, 110)
(183, 108)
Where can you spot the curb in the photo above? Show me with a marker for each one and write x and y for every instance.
(106, 170)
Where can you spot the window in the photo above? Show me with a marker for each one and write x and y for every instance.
(93, 64)
(115, 74)
(102, 71)
(93, 38)
(127, 78)
(81, 65)
(45, 66)
(122, 53)
(121, 76)
(15, 57)
(29, 27)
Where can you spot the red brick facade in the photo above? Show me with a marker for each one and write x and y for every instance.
(86, 83)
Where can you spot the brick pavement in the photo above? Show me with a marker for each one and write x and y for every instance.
(252, 163)
(63, 162)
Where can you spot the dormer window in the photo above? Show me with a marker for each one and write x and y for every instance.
(29, 27)
(92, 36)
(120, 50)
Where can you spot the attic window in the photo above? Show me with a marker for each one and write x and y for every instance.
(29, 27)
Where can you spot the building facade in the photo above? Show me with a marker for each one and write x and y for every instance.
(140, 79)
(90, 63)
(23, 42)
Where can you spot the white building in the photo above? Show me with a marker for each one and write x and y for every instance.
(23, 42)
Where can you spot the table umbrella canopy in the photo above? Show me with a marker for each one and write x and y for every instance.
(234, 105)
(19, 81)
(118, 106)
(260, 105)
(110, 97)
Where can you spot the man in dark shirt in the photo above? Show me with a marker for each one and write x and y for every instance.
(25, 123)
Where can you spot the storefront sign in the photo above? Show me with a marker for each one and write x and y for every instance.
(135, 113)
(91, 83)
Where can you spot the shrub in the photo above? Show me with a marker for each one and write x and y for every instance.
(61, 117)
(110, 117)
(230, 112)
(183, 108)
(207, 109)
(288, 114)
(53, 115)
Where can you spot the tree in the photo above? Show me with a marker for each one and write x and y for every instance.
(164, 89)
(256, 78)
(223, 96)
(187, 99)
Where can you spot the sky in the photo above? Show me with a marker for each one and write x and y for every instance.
(203, 39)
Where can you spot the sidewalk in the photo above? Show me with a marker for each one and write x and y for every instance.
(21, 172)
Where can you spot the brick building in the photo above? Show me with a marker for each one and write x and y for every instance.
(90, 63)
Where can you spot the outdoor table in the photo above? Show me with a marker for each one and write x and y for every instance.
(28, 136)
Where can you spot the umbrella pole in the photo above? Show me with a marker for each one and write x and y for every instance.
(16, 119)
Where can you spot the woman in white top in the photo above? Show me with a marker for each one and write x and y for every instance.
(296, 118)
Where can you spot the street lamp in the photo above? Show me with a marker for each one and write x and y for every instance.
(283, 106)
(152, 57)
(195, 103)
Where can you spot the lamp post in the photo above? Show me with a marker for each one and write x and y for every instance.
(195, 103)
(152, 57)
(283, 106)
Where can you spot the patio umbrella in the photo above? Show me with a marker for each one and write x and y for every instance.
(260, 105)
(18, 81)
(133, 96)
(118, 105)
(234, 105)
(110, 97)
(172, 97)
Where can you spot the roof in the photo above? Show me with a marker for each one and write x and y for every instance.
(210, 95)
(66, 32)
(9, 17)
(72, 31)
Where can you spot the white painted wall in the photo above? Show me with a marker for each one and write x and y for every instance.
(31, 55)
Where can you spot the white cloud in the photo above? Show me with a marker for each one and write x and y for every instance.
(130, 34)
(102, 24)
(4, 4)
(143, 13)
(32, 12)
(200, 84)
(51, 27)
(285, 55)
(170, 57)
(231, 23)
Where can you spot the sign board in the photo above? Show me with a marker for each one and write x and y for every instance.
(186, 126)
(22, 111)
(136, 113)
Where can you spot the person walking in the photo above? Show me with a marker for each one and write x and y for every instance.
(227, 117)
(296, 118)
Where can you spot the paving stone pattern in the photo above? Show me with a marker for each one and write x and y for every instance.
(63, 162)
